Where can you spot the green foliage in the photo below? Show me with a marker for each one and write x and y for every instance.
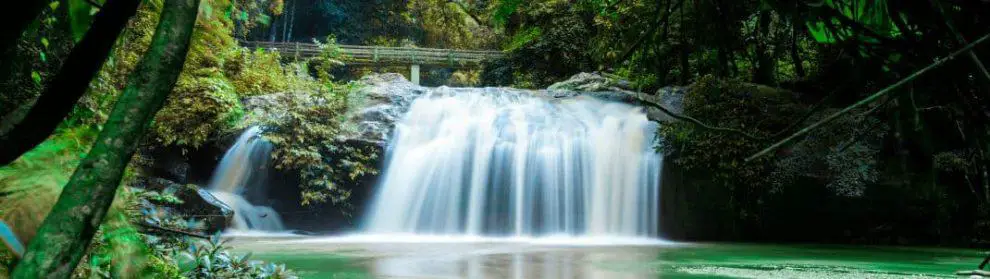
(308, 140)
(36, 59)
(31, 184)
(523, 38)
(210, 259)
(255, 72)
(759, 110)
(552, 44)
(504, 9)
(81, 15)
(199, 108)
(205, 102)
(329, 58)
(872, 14)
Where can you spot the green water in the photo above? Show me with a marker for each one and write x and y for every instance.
(329, 259)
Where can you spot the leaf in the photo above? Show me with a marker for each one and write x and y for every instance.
(54, 5)
(185, 261)
(80, 17)
(44, 42)
(504, 9)
(43, 57)
(36, 77)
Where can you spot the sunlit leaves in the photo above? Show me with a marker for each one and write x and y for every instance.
(504, 9)
(36, 77)
(870, 14)
(81, 15)
(523, 38)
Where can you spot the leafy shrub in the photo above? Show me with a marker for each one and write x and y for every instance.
(309, 140)
(757, 110)
(255, 72)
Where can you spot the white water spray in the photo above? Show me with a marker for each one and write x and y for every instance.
(507, 163)
(244, 167)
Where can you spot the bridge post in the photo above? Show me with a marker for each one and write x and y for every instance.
(414, 74)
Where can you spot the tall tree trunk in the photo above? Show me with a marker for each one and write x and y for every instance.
(685, 52)
(763, 73)
(71, 83)
(67, 231)
(292, 20)
(285, 23)
(273, 30)
(795, 54)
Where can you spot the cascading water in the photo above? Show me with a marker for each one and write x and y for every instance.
(244, 168)
(502, 162)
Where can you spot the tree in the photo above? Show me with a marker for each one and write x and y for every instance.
(69, 228)
(71, 82)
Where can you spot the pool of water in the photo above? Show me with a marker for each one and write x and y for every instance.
(396, 257)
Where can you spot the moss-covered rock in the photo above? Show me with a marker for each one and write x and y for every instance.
(198, 109)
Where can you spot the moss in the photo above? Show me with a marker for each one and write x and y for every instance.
(199, 108)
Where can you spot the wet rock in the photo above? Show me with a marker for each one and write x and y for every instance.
(590, 82)
(606, 88)
(197, 203)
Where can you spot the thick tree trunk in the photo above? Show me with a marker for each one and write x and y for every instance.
(71, 82)
(68, 230)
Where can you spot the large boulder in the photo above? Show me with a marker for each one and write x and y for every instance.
(196, 203)
(670, 98)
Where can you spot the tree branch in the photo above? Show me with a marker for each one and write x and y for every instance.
(644, 103)
(653, 30)
(869, 99)
(173, 231)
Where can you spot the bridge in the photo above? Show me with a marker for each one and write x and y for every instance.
(386, 56)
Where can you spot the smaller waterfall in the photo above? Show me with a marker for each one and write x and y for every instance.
(244, 168)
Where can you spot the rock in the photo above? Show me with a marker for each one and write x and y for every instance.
(598, 86)
(591, 82)
(197, 202)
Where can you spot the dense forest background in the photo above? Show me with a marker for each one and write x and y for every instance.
(902, 158)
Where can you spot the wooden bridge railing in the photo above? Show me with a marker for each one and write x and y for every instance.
(376, 55)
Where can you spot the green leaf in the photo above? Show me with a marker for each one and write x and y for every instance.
(523, 38)
(872, 14)
(54, 5)
(36, 77)
(44, 58)
(504, 9)
(44, 42)
(80, 17)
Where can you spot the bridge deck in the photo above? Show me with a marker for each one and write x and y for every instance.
(375, 55)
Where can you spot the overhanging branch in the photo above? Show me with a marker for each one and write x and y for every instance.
(869, 99)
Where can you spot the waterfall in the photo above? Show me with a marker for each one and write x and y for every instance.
(243, 170)
(504, 162)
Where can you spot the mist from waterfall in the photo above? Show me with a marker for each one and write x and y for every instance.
(243, 168)
(505, 162)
